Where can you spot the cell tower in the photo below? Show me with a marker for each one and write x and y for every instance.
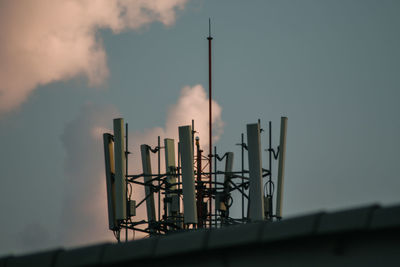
(208, 197)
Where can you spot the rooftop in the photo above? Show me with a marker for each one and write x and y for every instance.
(365, 236)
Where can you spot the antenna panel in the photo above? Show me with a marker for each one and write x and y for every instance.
(169, 145)
(189, 200)
(120, 180)
(147, 173)
(256, 206)
(228, 168)
(281, 166)
(170, 160)
(110, 172)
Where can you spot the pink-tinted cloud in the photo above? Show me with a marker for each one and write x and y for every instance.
(44, 41)
(84, 213)
(193, 104)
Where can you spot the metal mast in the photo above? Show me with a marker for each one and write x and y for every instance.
(209, 38)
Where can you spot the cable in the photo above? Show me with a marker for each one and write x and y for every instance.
(229, 201)
(273, 188)
(130, 191)
(117, 234)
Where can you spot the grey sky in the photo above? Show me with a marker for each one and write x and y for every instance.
(331, 67)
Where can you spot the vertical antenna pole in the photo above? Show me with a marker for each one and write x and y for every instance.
(209, 38)
(193, 132)
(242, 145)
(178, 173)
(128, 208)
(159, 182)
(215, 183)
(270, 173)
(270, 158)
(199, 186)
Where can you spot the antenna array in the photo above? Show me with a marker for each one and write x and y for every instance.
(188, 182)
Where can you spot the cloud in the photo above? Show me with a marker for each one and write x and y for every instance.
(45, 41)
(85, 213)
(193, 104)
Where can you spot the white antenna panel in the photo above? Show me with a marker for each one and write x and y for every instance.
(169, 145)
(120, 180)
(256, 207)
(170, 159)
(189, 199)
(281, 167)
(147, 173)
(110, 172)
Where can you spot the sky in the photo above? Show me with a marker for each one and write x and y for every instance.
(67, 68)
